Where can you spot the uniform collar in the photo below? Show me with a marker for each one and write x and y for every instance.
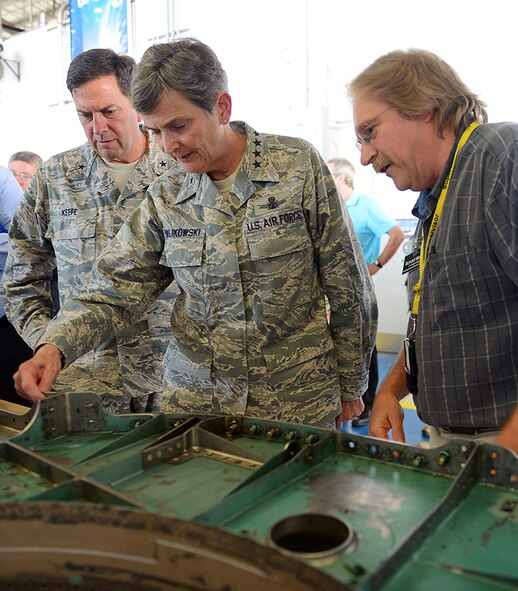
(151, 165)
(256, 166)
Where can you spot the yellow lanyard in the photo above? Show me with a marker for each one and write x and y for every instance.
(437, 216)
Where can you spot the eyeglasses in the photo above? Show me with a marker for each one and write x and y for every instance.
(25, 176)
(364, 135)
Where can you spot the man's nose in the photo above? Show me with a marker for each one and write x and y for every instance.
(99, 123)
(367, 154)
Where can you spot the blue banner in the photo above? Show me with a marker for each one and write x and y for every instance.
(98, 23)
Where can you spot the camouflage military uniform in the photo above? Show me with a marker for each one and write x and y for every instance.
(250, 334)
(70, 212)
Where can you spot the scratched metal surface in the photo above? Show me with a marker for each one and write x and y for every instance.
(413, 518)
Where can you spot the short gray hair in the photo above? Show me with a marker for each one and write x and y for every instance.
(28, 157)
(186, 66)
(342, 166)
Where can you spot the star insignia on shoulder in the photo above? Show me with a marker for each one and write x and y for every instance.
(163, 163)
(82, 166)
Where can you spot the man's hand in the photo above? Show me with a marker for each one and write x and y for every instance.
(35, 377)
(508, 436)
(350, 409)
(387, 415)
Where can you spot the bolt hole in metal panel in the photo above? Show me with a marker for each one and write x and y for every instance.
(313, 536)
(216, 502)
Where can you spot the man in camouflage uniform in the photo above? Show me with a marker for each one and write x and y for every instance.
(254, 237)
(73, 207)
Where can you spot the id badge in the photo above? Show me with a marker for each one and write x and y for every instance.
(411, 357)
(410, 364)
(411, 262)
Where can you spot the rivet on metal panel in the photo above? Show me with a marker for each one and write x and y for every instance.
(444, 458)
(374, 450)
(311, 438)
(419, 460)
(273, 432)
(351, 445)
(308, 456)
(355, 569)
(254, 429)
(292, 435)
(233, 429)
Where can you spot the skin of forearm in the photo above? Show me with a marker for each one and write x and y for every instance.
(395, 381)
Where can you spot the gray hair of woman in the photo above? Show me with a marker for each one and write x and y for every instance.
(186, 66)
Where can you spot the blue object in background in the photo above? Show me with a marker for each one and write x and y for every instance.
(98, 23)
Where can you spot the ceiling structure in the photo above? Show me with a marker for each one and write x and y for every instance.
(18, 16)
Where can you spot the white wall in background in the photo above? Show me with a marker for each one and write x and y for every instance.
(288, 63)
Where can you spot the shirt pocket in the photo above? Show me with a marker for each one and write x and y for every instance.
(283, 261)
(73, 239)
(460, 291)
(184, 256)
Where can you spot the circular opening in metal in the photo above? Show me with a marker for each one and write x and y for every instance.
(311, 534)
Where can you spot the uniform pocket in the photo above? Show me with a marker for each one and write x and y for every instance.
(282, 256)
(73, 239)
(185, 257)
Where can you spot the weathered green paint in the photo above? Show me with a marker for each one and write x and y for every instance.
(420, 519)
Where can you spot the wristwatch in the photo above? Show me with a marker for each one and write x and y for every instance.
(378, 263)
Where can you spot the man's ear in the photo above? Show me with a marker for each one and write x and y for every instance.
(428, 116)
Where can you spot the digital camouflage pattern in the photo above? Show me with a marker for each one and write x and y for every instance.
(250, 334)
(70, 212)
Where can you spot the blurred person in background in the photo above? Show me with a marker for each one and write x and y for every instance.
(23, 165)
(13, 350)
(370, 222)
